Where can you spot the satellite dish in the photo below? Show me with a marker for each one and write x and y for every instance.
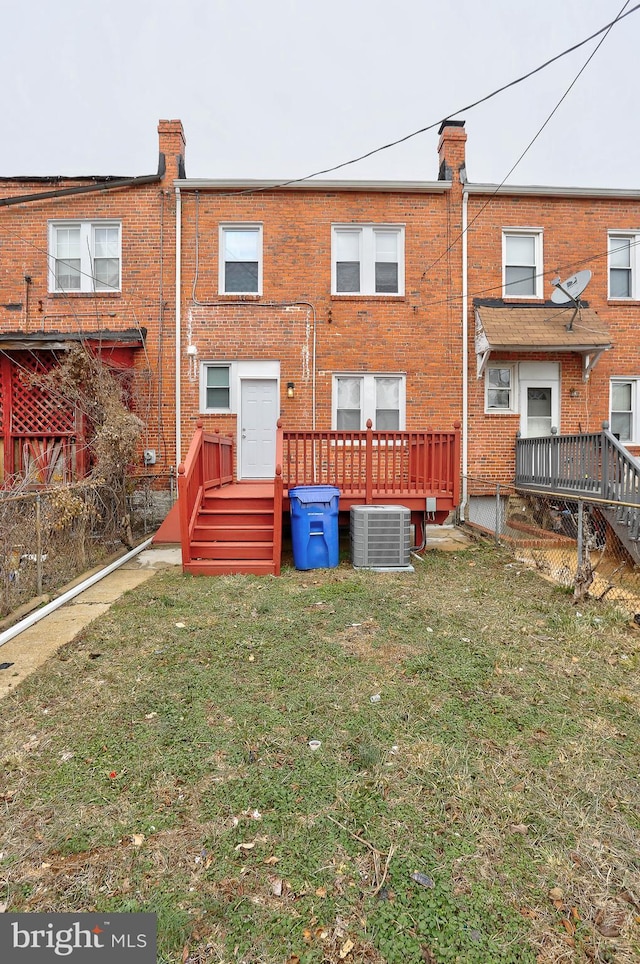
(570, 290)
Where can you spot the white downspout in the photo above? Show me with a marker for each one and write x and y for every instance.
(465, 358)
(178, 296)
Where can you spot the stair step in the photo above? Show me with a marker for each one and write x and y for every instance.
(230, 518)
(228, 567)
(236, 533)
(257, 551)
(238, 505)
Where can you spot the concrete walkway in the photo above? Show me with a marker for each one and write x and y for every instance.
(447, 538)
(35, 645)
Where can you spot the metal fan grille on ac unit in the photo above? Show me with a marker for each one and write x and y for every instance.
(380, 536)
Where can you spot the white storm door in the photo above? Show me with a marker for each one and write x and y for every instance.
(539, 398)
(257, 423)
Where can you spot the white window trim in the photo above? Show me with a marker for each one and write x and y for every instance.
(368, 398)
(237, 371)
(238, 225)
(204, 366)
(635, 406)
(634, 264)
(87, 281)
(537, 234)
(513, 408)
(367, 259)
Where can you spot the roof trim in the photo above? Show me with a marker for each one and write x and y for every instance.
(236, 184)
(62, 340)
(104, 184)
(540, 190)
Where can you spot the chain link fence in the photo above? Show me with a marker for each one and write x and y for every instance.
(53, 535)
(582, 544)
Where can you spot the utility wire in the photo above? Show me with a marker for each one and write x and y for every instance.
(534, 138)
(401, 140)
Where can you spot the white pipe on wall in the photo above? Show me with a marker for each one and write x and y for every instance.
(178, 296)
(465, 356)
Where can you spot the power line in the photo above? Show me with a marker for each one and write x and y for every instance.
(401, 140)
(533, 139)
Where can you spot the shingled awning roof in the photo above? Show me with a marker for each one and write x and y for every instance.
(545, 327)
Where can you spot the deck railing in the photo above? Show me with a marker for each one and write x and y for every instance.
(590, 464)
(208, 465)
(371, 464)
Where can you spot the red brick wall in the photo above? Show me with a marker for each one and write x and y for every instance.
(418, 333)
(575, 237)
(146, 300)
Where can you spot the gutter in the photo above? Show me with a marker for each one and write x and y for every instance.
(540, 190)
(238, 186)
(90, 188)
(51, 607)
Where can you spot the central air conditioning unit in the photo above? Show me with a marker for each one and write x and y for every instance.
(380, 536)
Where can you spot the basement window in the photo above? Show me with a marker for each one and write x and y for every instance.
(85, 256)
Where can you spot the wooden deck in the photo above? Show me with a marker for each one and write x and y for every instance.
(235, 526)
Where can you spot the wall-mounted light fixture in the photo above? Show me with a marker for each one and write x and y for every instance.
(291, 390)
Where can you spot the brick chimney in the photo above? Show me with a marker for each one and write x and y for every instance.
(451, 152)
(172, 145)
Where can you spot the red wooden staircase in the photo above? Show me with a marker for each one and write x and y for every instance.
(226, 527)
(234, 531)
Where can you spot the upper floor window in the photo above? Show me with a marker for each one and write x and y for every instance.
(623, 266)
(240, 259)
(357, 398)
(367, 259)
(85, 256)
(522, 263)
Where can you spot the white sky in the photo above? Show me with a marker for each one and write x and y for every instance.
(282, 88)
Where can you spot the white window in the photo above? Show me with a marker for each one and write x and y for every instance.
(381, 398)
(522, 263)
(623, 418)
(367, 259)
(215, 388)
(623, 266)
(500, 393)
(240, 259)
(85, 256)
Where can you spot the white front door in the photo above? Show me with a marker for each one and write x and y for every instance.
(539, 394)
(257, 424)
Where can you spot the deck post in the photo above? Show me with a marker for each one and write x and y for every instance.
(369, 463)
(580, 539)
(455, 466)
(184, 515)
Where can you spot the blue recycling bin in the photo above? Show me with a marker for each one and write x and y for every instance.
(314, 526)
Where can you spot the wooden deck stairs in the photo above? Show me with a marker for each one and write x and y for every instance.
(593, 466)
(234, 531)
